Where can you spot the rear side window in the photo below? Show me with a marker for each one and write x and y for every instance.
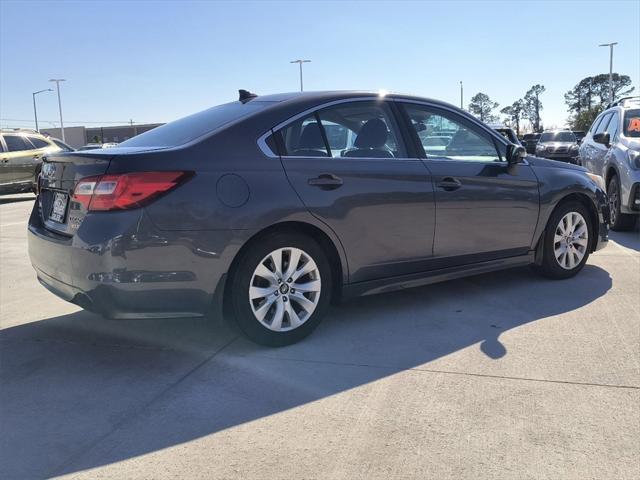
(17, 143)
(194, 126)
(38, 142)
(350, 130)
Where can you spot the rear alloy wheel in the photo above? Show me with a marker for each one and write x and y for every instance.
(619, 221)
(281, 289)
(566, 241)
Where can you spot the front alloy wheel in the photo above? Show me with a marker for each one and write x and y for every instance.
(571, 240)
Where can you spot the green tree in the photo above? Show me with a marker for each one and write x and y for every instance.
(482, 107)
(514, 114)
(533, 106)
(582, 121)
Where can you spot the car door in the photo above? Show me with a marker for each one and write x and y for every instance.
(348, 164)
(485, 209)
(4, 163)
(21, 159)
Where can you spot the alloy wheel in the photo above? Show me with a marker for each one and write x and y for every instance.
(613, 200)
(571, 240)
(285, 289)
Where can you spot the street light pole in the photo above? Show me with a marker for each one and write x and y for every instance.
(300, 62)
(610, 45)
(35, 111)
(58, 80)
(461, 97)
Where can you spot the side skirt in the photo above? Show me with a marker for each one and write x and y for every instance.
(433, 276)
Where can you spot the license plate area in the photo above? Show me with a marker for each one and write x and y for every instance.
(59, 207)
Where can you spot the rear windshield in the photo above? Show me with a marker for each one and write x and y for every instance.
(189, 128)
(558, 137)
(632, 123)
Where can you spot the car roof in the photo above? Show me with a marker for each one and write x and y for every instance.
(291, 98)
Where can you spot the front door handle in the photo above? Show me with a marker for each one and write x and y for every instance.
(326, 181)
(449, 184)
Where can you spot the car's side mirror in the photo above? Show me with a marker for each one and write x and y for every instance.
(515, 154)
(602, 138)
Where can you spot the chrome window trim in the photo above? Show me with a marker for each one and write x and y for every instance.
(262, 144)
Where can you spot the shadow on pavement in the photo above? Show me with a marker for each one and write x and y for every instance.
(79, 392)
(627, 239)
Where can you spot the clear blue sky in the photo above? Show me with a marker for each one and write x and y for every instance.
(159, 60)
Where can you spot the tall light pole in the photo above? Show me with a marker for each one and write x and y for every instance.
(58, 80)
(610, 45)
(461, 97)
(35, 111)
(300, 62)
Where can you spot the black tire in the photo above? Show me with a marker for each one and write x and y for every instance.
(620, 222)
(550, 266)
(241, 278)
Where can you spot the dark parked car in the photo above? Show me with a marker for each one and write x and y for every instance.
(558, 145)
(530, 140)
(579, 135)
(274, 206)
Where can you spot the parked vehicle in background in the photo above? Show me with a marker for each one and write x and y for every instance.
(252, 206)
(579, 135)
(530, 140)
(96, 146)
(21, 152)
(63, 146)
(611, 149)
(558, 145)
(507, 133)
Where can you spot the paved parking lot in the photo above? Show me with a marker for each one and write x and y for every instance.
(505, 375)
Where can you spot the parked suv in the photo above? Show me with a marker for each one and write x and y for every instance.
(530, 140)
(558, 145)
(21, 154)
(611, 148)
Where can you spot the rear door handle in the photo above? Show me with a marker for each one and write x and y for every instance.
(326, 181)
(449, 184)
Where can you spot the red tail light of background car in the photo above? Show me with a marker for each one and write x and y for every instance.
(125, 190)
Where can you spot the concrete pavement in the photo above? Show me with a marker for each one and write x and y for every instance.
(499, 376)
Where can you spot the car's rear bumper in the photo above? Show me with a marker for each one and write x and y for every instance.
(119, 265)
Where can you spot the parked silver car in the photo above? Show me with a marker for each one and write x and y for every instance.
(611, 149)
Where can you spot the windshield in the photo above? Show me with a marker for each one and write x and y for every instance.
(632, 123)
(189, 128)
(557, 137)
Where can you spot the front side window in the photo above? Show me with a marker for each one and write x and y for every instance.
(603, 124)
(632, 123)
(445, 136)
(348, 130)
(17, 143)
(612, 128)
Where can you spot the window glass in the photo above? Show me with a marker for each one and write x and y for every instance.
(38, 142)
(1, 147)
(612, 128)
(17, 143)
(361, 130)
(189, 128)
(444, 135)
(62, 145)
(632, 123)
(304, 138)
(557, 137)
(603, 124)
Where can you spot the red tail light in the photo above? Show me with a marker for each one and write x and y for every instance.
(125, 190)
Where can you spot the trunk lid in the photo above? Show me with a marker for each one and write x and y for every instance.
(59, 175)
